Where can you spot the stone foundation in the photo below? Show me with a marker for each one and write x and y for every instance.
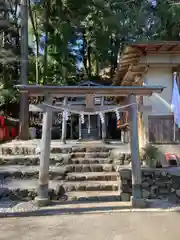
(156, 184)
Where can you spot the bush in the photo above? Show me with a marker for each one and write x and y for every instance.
(150, 155)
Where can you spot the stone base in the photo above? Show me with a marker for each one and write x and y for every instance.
(139, 203)
(41, 202)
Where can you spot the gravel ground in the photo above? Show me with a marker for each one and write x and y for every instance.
(121, 226)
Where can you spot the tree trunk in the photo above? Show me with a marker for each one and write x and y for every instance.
(24, 106)
(89, 60)
(34, 25)
(84, 53)
(47, 9)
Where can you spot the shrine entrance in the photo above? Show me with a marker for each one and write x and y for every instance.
(90, 132)
(130, 92)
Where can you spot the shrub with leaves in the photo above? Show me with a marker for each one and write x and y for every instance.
(150, 155)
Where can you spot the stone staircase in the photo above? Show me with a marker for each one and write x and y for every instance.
(75, 173)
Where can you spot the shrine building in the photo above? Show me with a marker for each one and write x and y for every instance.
(152, 64)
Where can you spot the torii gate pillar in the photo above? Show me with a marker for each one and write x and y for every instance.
(43, 184)
(135, 161)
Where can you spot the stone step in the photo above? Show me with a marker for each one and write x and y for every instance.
(55, 159)
(24, 172)
(15, 149)
(57, 173)
(87, 155)
(29, 172)
(93, 148)
(93, 176)
(27, 189)
(91, 161)
(26, 160)
(101, 196)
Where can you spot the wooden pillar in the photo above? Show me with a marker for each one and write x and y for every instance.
(122, 136)
(71, 135)
(45, 154)
(99, 126)
(104, 123)
(64, 123)
(80, 128)
(141, 130)
(136, 167)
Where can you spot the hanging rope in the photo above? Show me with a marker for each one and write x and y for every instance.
(114, 109)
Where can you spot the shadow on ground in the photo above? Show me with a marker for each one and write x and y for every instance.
(27, 209)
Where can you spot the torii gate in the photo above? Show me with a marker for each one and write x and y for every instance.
(89, 92)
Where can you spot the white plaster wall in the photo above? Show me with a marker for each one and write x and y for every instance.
(159, 76)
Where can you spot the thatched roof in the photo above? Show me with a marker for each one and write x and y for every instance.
(129, 71)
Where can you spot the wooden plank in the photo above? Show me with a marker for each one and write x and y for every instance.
(147, 108)
(161, 129)
(89, 101)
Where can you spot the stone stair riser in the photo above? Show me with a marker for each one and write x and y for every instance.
(97, 199)
(90, 155)
(28, 175)
(91, 161)
(6, 176)
(53, 161)
(59, 171)
(91, 178)
(90, 168)
(30, 194)
(32, 150)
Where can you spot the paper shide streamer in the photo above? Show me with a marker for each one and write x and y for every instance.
(82, 118)
(101, 115)
(89, 124)
(65, 115)
(117, 114)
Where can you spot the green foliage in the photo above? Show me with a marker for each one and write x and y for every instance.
(150, 155)
(96, 30)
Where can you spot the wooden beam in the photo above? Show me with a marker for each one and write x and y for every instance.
(103, 123)
(34, 90)
(64, 123)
